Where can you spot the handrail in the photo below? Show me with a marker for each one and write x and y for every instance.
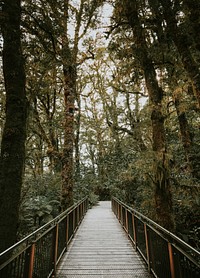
(38, 254)
(166, 255)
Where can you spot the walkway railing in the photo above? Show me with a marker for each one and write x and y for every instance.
(37, 255)
(166, 255)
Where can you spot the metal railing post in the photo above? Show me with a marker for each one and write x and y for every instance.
(73, 220)
(121, 215)
(81, 211)
(79, 214)
(117, 211)
(55, 255)
(126, 220)
(134, 231)
(67, 230)
(31, 261)
(147, 247)
(171, 260)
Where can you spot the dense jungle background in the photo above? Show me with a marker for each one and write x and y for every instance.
(100, 98)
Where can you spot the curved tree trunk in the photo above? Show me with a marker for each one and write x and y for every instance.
(14, 135)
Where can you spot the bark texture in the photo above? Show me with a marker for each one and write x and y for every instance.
(69, 137)
(14, 134)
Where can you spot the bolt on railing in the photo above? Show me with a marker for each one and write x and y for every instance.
(166, 255)
(38, 254)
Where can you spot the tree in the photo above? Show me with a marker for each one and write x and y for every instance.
(182, 41)
(173, 61)
(14, 133)
(110, 124)
(61, 40)
(129, 15)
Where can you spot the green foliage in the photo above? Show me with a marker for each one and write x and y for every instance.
(93, 199)
(40, 202)
(86, 186)
(187, 212)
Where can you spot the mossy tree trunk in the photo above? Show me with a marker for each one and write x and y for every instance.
(14, 134)
(70, 61)
(162, 193)
(69, 136)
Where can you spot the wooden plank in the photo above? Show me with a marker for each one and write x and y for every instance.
(101, 248)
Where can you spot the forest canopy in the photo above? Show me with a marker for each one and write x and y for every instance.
(100, 98)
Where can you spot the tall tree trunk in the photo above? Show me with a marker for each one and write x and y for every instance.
(69, 57)
(67, 157)
(14, 134)
(185, 130)
(180, 39)
(77, 139)
(163, 198)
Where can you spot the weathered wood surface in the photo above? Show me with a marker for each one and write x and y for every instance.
(101, 248)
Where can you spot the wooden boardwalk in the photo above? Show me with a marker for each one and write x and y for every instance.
(101, 248)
